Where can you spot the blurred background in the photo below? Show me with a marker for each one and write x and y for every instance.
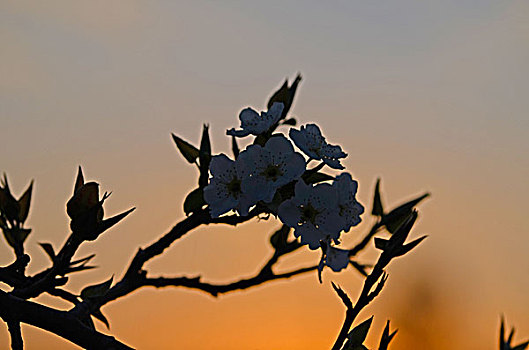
(429, 96)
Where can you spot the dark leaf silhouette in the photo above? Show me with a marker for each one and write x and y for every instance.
(408, 247)
(24, 203)
(96, 290)
(8, 204)
(505, 344)
(397, 216)
(290, 121)
(79, 181)
(285, 94)
(108, 223)
(345, 298)
(99, 315)
(83, 261)
(378, 209)
(278, 240)
(189, 151)
(48, 248)
(358, 334)
(204, 156)
(194, 201)
(234, 147)
(312, 178)
(386, 337)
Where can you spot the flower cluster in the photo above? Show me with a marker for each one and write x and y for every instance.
(319, 213)
(317, 209)
(255, 176)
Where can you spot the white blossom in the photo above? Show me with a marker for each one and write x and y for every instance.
(349, 208)
(270, 167)
(224, 192)
(313, 213)
(255, 124)
(310, 140)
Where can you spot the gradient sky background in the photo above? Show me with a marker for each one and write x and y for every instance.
(431, 96)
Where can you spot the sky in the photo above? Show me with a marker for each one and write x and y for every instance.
(428, 96)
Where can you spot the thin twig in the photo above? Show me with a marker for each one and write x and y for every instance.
(16, 335)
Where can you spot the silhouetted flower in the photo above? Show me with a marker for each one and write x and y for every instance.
(224, 191)
(255, 124)
(270, 167)
(313, 213)
(310, 140)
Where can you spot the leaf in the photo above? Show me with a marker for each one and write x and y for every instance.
(194, 201)
(24, 202)
(16, 236)
(378, 209)
(278, 240)
(48, 249)
(108, 223)
(79, 181)
(285, 95)
(521, 346)
(204, 156)
(189, 151)
(96, 290)
(402, 232)
(99, 315)
(234, 147)
(358, 334)
(290, 121)
(397, 216)
(345, 298)
(381, 243)
(506, 344)
(312, 178)
(10, 239)
(8, 204)
(83, 261)
(5, 184)
(21, 234)
(386, 337)
(407, 247)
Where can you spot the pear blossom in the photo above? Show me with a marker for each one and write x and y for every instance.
(310, 140)
(224, 191)
(349, 208)
(270, 167)
(313, 213)
(255, 124)
(335, 258)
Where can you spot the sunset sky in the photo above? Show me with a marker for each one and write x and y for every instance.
(428, 95)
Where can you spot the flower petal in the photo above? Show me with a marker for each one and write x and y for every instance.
(289, 213)
(274, 113)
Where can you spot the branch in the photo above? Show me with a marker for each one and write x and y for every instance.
(191, 222)
(391, 248)
(65, 295)
(46, 280)
(16, 335)
(366, 296)
(216, 289)
(58, 322)
(135, 274)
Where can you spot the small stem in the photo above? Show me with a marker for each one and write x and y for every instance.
(16, 335)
